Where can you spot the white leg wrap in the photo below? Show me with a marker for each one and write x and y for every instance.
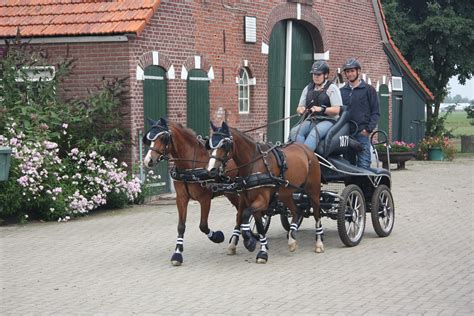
(294, 227)
(245, 226)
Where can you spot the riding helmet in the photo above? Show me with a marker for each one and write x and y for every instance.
(351, 63)
(320, 67)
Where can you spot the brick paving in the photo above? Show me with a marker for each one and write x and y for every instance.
(117, 263)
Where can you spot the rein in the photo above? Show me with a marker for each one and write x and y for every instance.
(262, 155)
(274, 122)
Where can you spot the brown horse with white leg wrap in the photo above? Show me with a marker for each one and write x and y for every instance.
(266, 173)
(168, 139)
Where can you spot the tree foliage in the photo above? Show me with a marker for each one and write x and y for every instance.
(35, 105)
(436, 38)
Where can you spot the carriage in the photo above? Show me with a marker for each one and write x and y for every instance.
(328, 185)
(348, 192)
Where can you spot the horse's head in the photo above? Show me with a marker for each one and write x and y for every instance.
(158, 138)
(220, 143)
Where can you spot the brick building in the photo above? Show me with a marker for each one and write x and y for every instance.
(242, 61)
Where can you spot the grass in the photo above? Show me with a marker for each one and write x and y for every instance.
(458, 124)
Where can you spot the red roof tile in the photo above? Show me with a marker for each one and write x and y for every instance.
(402, 58)
(36, 18)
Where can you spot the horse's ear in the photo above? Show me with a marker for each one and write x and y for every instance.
(163, 122)
(150, 121)
(207, 144)
(225, 127)
(214, 128)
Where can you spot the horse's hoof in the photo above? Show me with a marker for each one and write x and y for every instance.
(319, 249)
(217, 237)
(292, 246)
(262, 257)
(234, 240)
(232, 249)
(250, 244)
(176, 259)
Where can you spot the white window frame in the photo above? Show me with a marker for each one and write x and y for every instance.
(36, 74)
(397, 83)
(243, 85)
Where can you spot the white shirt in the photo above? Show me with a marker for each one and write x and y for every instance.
(332, 91)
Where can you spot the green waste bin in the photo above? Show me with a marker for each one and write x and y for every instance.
(5, 156)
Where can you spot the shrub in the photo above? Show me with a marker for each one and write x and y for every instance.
(63, 152)
(436, 141)
(470, 113)
(42, 185)
(94, 123)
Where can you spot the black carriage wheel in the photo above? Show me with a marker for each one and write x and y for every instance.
(253, 227)
(351, 216)
(286, 218)
(382, 211)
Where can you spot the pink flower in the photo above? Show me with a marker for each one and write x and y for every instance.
(49, 145)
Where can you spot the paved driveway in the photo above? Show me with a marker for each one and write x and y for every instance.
(118, 262)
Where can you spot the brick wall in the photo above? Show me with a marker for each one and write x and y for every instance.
(214, 30)
(181, 29)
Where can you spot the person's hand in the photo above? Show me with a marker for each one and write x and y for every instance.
(316, 109)
(365, 132)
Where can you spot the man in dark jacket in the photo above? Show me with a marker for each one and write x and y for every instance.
(362, 101)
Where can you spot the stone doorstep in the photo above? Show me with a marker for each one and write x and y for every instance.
(161, 199)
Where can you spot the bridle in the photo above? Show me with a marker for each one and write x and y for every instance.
(225, 143)
(153, 135)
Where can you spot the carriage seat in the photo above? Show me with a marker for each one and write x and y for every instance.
(338, 140)
(345, 166)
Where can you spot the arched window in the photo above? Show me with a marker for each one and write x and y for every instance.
(244, 91)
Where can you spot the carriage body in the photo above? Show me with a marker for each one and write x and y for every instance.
(349, 192)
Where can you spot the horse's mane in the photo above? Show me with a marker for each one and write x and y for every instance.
(183, 128)
(242, 134)
(189, 132)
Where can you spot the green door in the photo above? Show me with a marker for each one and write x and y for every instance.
(301, 58)
(154, 107)
(276, 81)
(383, 101)
(301, 61)
(197, 98)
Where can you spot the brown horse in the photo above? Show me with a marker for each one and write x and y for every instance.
(190, 158)
(264, 174)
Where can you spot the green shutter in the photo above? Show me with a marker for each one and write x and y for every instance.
(197, 98)
(383, 102)
(155, 107)
(397, 116)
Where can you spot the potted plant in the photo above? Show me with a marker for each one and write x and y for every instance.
(399, 152)
(435, 148)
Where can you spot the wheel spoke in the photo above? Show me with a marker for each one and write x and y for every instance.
(350, 231)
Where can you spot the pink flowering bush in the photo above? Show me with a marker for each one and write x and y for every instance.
(43, 185)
